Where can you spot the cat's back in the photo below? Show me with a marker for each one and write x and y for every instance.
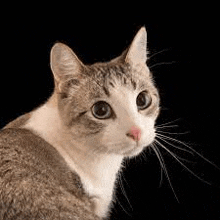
(35, 182)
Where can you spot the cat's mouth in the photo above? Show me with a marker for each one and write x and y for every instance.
(130, 148)
(135, 149)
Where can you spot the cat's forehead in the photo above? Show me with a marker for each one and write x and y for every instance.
(102, 72)
(109, 76)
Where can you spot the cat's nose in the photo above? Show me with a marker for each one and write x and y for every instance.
(134, 133)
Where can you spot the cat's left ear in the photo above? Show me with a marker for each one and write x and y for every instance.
(137, 52)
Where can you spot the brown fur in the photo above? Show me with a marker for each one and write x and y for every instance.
(28, 164)
(18, 122)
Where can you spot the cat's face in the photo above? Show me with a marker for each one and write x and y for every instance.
(109, 107)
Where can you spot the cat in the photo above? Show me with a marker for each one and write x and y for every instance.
(61, 160)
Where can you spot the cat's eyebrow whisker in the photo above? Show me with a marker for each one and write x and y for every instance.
(162, 63)
(163, 167)
(159, 52)
(174, 156)
(187, 146)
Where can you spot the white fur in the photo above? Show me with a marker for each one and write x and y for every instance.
(98, 174)
(97, 171)
(123, 101)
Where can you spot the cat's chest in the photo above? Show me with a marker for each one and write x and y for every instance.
(101, 193)
(99, 184)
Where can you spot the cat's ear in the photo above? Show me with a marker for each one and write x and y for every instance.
(137, 52)
(64, 63)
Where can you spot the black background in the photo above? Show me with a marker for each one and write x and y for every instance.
(186, 72)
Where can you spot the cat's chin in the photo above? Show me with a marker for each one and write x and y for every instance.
(133, 152)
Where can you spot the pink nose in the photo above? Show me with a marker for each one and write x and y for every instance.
(134, 133)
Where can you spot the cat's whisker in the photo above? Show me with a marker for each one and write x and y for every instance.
(187, 146)
(166, 126)
(162, 63)
(143, 154)
(167, 123)
(156, 53)
(166, 132)
(169, 143)
(161, 176)
(179, 148)
(152, 145)
(163, 167)
(175, 157)
(122, 206)
(123, 191)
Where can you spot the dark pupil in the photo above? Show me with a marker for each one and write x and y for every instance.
(141, 100)
(101, 109)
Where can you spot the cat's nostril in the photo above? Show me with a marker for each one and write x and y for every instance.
(134, 133)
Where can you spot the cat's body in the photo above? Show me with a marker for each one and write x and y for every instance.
(36, 183)
(61, 160)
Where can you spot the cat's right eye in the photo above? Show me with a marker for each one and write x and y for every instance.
(101, 110)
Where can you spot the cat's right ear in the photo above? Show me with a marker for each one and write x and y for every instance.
(137, 52)
(64, 63)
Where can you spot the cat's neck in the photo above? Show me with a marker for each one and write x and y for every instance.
(98, 172)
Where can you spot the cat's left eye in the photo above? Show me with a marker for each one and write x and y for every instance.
(143, 100)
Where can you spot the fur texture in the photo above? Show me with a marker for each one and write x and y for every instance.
(61, 160)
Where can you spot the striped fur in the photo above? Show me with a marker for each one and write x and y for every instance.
(62, 138)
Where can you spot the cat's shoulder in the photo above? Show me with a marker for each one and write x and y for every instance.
(22, 146)
(30, 168)
(19, 122)
(32, 153)
(23, 139)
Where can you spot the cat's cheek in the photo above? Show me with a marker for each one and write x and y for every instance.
(150, 139)
(148, 132)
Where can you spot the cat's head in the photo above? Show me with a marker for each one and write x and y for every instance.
(110, 107)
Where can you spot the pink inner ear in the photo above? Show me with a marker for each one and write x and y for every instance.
(135, 133)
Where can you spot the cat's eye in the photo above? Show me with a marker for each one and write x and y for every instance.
(101, 110)
(143, 100)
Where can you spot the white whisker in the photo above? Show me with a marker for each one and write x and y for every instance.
(180, 142)
(123, 190)
(170, 122)
(122, 206)
(161, 63)
(156, 53)
(166, 132)
(174, 156)
(163, 166)
(169, 143)
(166, 126)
